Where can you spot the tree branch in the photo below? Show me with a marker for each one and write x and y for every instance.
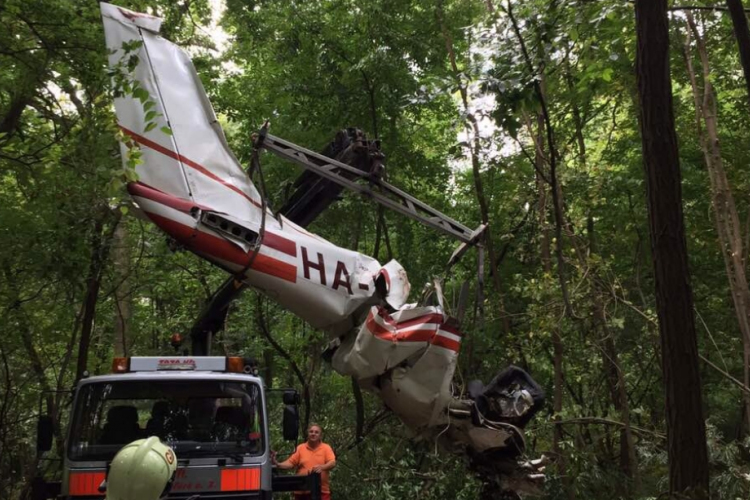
(606, 421)
(700, 7)
(263, 325)
(553, 182)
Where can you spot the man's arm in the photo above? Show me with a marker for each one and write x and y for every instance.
(290, 463)
(286, 464)
(326, 466)
(330, 462)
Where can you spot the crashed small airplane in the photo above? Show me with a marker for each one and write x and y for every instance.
(194, 189)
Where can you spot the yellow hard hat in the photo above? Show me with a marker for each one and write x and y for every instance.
(141, 470)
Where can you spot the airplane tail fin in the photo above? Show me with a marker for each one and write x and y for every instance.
(186, 153)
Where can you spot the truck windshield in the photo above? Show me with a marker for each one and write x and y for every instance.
(197, 418)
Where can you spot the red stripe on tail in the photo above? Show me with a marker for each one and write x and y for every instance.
(187, 161)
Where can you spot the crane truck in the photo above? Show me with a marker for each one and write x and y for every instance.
(193, 188)
(211, 410)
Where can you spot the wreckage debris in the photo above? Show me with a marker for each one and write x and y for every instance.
(193, 188)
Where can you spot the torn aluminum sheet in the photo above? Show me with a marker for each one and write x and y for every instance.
(417, 348)
(193, 188)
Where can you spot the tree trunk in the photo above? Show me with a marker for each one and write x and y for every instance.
(742, 33)
(686, 430)
(12, 115)
(541, 186)
(123, 301)
(39, 372)
(552, 175)
(557, 344)
(101, 242)
(268, 362)
(471, 127)
(726, 218)
(610, 357)
(295, 371)
(615, 377)
(359, 405)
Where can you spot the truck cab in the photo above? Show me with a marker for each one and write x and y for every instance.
(210, 410)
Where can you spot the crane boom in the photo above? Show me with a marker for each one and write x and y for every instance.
(375, 189)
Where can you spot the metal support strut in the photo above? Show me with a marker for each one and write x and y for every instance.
(385, 194)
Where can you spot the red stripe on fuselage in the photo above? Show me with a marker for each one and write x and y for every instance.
(187, 161)
(217, 247)
(441, 341)
(416, 335)
(421, 335)
(271, 240)
(426, 318)
(429, 318)
(377, 329)
(278, 242)
(385, 316)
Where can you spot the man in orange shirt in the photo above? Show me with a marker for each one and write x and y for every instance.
(311, 456)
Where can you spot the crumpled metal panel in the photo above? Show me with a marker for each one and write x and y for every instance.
(417, 350)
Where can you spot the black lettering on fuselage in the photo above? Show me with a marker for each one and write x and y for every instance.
(341, 277)
(341, 270)
(307, 265)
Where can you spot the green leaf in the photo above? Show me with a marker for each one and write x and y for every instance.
(141, 94)
(115, 185)
(150, 126)
(131, 175)
(166, 130)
